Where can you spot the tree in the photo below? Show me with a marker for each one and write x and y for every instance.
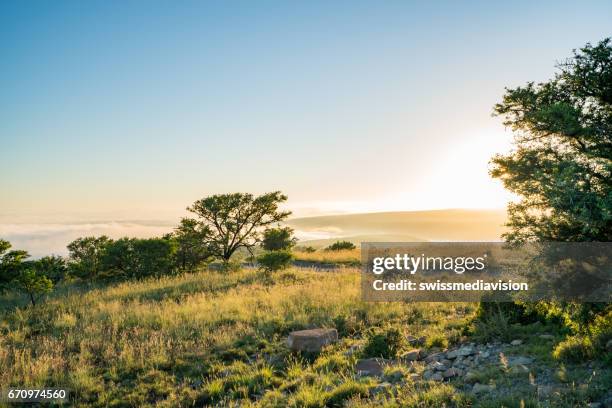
(191, 238)
(137, 258)
(33, 283)
(275, 239)
(561, 165)
(562, 162)
(54, 267)
(235, 220)
(341, 245)
(86, 255)
(11, 263)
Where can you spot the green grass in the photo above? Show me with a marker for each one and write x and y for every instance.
(219, 339)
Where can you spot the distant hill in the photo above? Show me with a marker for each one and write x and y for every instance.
(435, 225)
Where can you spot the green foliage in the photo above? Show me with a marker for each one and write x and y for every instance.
(138, 258)
(386, 343)
(11, 263)
(272, 261)
(53, 267)
(589, 343)
(235, 220)
(85, 256)
(276, 239)
(193, 247)
(341, 245)
(561, 165)
(33, 283)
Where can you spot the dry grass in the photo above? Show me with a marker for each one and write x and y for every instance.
(348, 257)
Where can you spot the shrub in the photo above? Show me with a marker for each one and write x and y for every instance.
(33, 283)
(276, 239)
(385, 343)
(340, 245)
(272, 261)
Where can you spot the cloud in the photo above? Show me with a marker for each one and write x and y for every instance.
(52, 238)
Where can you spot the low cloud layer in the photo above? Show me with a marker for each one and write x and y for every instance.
(44, 239)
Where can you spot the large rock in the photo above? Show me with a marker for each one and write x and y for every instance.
(519, 360)
(312, 340)
(371, 366)
(412, 355)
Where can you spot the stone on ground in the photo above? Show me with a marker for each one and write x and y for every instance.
(312, 340)
(371, 366)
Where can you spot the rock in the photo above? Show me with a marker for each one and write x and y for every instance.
(437, 366)
(466, 351)
(395, 376)
(545, 390)
(371, 366)
(516, 342)
(382, 387)
(434, 357)
(412, 355)
(451, 372)
(595, 405)
(485, 354)
(437, 377)
(519, 360)
(427, 374)
(546, 336)
(519, 369)
(481, 388)
(452, 354)
(312, 340)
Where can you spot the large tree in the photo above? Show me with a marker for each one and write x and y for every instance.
(236, 220)
(561, 164)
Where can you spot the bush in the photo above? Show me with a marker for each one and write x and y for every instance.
(272, 261)
(341, 245)
(385, 343)
(277, 239)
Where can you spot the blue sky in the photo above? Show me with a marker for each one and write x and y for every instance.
(134, 109)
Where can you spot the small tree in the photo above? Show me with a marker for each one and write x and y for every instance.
(33, 283)
(272, 261)
(235, 220)
(341, 245)
(275, 239)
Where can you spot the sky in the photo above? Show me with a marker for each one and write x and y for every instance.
(114, 111)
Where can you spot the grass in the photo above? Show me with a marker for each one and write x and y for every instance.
(219, 339)
(347, 257)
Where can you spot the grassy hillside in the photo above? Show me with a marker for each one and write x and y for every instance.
(439, 225)
(219, 340)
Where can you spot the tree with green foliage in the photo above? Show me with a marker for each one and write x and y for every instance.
(272, 261)
(11, 263)
(33, 283)
(191, 238)
(561, 165)
(280, 238)
(85, 256)
(236, 220)
(562, 162)
(53, 267)
(340, 246)
(136, 258)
